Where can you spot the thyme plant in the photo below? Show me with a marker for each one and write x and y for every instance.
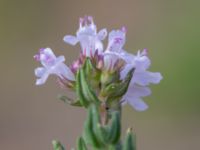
(104, 79)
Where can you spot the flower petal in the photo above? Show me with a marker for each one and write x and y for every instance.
(110, 59)
(66, 72)
(142, 62)
(137, 91)
(47, 57)
(72, 40)
(138, 104)
(39, 72)
(125, 71)
(145, 78)
(102, 34)
(116, 40)
(43, 79)
(133, 97)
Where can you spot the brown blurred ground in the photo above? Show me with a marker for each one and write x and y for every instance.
(30, 116)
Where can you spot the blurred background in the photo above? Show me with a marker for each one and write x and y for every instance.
(31, 117)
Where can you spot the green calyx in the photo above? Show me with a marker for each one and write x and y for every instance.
(100, 92)
(96, 86)
(114, 91)
(83, 88)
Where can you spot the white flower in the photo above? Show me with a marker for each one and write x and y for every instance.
(116, 40)
(141, 76)
(114, 51)
(88, 37)
(51, 65)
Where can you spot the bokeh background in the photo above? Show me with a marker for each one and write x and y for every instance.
(31, 117)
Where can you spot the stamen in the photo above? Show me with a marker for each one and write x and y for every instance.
(90, 19)
(37, 57)
(85, 20)
(96, 54)
(41, 50)
(145, 52)
(124, 29)
(81, 22)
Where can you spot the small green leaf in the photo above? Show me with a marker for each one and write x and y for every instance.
(99, 131)
(129, 143)
(79, 90)
(81, 144)
(114, 128)
(88, 67)
(118, 90)
(70, 101)
(88, 93)
(115, 147)
(108, 78)
(101, 134)
(110, 89)
(89, 135)
(83, 87)
(57, 145)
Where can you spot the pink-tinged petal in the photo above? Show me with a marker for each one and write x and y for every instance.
(145, 78)
(116, 40)
(37, 57)
(116, 34)
(47, 57)
(39, 72)
(72, 40)
(52, 65)
(124, 29)
(87, 36)
(138, 104)
(102, 34)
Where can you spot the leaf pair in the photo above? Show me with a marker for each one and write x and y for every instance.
(85, 93)
(101, 136)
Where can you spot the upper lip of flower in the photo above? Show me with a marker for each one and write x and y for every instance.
(86, 26)
(88, 37)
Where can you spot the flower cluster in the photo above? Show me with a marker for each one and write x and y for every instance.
(110, 63)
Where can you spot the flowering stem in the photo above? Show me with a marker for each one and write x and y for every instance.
(102, 79)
